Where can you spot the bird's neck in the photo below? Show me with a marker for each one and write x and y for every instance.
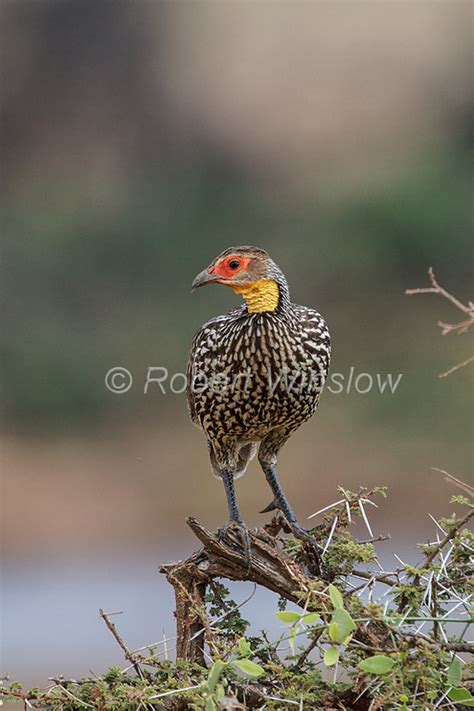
(262, 295)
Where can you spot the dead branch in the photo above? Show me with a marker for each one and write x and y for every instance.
(447, 328)
(456, 367)
(292, 578)
(223, 557)
(130, 656)
(437, 289)
(189, 586)
(467, 488)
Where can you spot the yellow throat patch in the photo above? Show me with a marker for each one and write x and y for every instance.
(260, 295)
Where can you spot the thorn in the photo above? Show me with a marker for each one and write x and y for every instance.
(364, 516)
(348, 509)
(331, 533)
(326, 508)
(368, 501)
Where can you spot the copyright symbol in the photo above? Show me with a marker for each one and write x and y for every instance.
(118, 380)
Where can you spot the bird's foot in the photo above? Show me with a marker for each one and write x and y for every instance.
(311, 545)
(243, 532)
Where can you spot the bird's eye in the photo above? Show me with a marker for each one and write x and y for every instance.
(234, 264)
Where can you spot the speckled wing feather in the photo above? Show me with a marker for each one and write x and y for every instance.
(204, 345)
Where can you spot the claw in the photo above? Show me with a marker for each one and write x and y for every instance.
(272, 506)
(312, 546)
(244, 537)
(223, 530)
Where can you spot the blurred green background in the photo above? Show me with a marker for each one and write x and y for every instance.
(141, 138)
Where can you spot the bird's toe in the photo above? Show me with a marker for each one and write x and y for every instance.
(272, 506)
(244, 535)
(311, 544)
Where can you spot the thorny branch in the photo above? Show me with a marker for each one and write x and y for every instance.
(129, 656)
(447, 328)
(279, 566)
(272, 568)
(463, 485)
(222, 557)
(448, 537)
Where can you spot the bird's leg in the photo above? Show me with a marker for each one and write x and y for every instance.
(234, 512)
(281, 503)
(234, 516)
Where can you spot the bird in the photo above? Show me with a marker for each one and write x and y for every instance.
(255, 374)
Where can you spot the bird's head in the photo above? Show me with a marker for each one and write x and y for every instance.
(249, 271)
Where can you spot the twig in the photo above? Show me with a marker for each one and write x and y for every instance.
(376, 539)
(271, 648)
(449, 646)
(456, 367)
(132, 658)
(447, 328)
(312, 645)
(448, 537)
(386, 578)
(467, 488)
(437, 289)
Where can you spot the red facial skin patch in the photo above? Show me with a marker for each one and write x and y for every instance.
(260, 294)
(223, 269)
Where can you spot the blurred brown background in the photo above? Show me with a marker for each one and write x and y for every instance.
(138, 140)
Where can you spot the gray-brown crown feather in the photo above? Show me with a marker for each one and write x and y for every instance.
(248, 250)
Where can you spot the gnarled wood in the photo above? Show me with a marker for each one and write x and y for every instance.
(222, 556)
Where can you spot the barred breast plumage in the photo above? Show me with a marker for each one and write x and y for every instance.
(256, 373)
(251, 373)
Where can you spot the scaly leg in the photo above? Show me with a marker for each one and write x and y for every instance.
(235, 517)
(281, 503)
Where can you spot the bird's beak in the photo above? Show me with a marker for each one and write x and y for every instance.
(204, 278)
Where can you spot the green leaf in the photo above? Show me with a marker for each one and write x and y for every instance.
(220, 693)
(210, 705)
(331, 656)
(336, 597)
(334, 632)
(311, 618)
(248, 667)
(462, 695)
(341, 625)
(455, 672)
(215, 674)
(378, 664)
(288, 616)
(244, 646)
